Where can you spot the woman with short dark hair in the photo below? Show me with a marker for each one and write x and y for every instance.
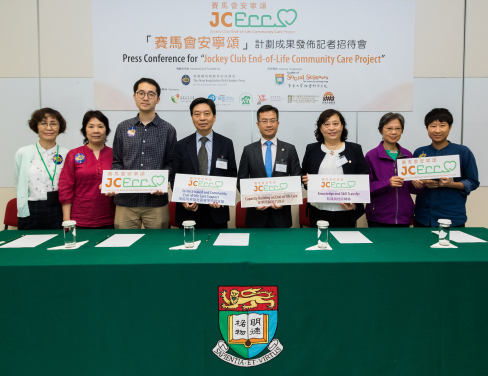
(391, 203)
(79, 185)
(37, 171)
(324, 158)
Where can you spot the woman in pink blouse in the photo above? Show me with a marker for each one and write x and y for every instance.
(79, 183)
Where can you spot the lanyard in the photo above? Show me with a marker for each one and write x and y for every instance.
(55, 164)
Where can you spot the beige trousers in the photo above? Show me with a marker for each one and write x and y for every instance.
(133, 218)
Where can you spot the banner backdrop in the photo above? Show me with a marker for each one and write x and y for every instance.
(300, 56)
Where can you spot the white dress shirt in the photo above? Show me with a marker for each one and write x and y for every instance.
(39, 181)
(274, 147)
(328, 167)
(208, 146)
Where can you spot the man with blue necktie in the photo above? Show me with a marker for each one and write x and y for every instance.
(268, 157)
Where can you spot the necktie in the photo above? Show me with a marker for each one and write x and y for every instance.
(203, 157)
(268, 163)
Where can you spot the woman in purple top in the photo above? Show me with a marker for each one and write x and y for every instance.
(391, 204)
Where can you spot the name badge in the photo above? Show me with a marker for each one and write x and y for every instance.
(280, 167)
(221, 163)
(341, 161)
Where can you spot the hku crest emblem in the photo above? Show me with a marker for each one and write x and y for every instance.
(248, 318)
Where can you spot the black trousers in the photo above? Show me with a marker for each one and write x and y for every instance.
(203, 219)
(42, 217)
(372, 224)
(335, 219)
(418, 224)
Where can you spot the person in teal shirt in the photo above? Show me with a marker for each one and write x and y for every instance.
(37, 170)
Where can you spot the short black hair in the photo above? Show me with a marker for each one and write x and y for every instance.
(149, 81)
(439, 114)
(386, 118)
(324, 116)
(201, 100)
(267, 108)
(90, 114)
(39, 115)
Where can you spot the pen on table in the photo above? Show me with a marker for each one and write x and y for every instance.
(208, 237)
(11, 240)
(105, 238)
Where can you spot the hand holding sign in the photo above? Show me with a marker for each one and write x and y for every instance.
(445, 182)
(396, 181)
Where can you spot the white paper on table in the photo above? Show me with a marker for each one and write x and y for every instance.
(120, 240)
(77, 245)
(232, 239)
(316, 248)
(346, 237)
(462, 237)
(195, 246)
(437, 245)
(28, 241)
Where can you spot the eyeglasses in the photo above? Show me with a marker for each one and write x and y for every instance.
(266, 121)
(53, 125)
(327, 125)
(389, 130)
(150, 94)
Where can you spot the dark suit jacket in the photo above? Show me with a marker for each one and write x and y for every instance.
(252, 166)
(186, 162)
(357, 165)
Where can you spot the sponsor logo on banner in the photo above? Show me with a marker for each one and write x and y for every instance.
(262, 98)
(307, 78)
(185, 80)
(245, 99)
(248, 320)
(283, 18)
(279, 79)
(328, 98)
(182, 98)
(276, 98)
(212, 97)
(303, 99)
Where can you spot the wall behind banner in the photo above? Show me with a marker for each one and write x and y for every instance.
(47, 61)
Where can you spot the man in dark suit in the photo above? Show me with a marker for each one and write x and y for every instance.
(268, 157)
(204, 153)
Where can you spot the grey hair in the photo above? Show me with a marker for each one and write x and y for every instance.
(386, 118)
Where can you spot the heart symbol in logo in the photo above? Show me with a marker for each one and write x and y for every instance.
(351, 184)
(157, 180)
(283, 186)
(450, 165)
(219, 184)
(288, 16)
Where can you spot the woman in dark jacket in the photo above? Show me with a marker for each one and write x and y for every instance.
(324, 158)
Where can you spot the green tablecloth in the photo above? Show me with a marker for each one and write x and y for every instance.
(393, 307)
